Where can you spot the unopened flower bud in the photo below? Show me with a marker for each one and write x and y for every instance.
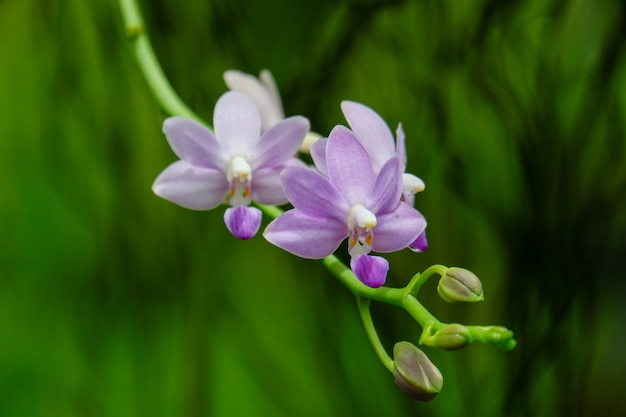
(459, 285)
(452, 337)
(414, 373)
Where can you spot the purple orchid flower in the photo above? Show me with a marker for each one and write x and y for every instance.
(378, 141)
(349, 201)
(237, 163)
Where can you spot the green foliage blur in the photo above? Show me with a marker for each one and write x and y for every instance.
(114, 302)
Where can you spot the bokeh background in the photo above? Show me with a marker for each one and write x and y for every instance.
(116, 303)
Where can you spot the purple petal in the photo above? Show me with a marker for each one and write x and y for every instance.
(191, 187)
(420, 244)
(387, 189)
(371, 130)
(305, 236)
(262, 91)
(243, 222)
(349, 167)
(194, 143)
(295, 162)
(398, 229)
(279, 143)
(267, 188)
(370, 270)
(237, 123)
(318, 154)
(313, 194)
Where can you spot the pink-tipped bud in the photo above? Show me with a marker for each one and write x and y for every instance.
(459, 285)
(414, 373)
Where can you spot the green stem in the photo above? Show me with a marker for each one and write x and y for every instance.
(419, 279)
(366, 317)
(149, 65)
(418, 311)
(400, 297)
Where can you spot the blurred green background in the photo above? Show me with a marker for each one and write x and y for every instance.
(114, 302)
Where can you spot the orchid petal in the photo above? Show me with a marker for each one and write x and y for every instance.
(313, 194)
(262, 91)
(387, 189)
(267, 188)
(398, 229)
(243, 222)
(370, 270)
(371, 130)
(295, 162)
(420, 244)
(349, 167)
(237, 123)
(194, 143)
(305, 236)
(318, 154)
(267, 79)
(279, 143)
(191, 187)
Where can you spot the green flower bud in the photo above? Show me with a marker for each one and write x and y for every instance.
(495, 335)
(414, 373)
(459, 285)
(452, 337)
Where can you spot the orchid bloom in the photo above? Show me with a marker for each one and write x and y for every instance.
(349, 200)
(264, 92)
(238, 163)
(377, 139)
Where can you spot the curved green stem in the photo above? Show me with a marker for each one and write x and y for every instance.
(366, 317)
(149, 65)
(419, 279)
(400, 297)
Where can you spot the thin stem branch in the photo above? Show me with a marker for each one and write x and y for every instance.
(149, 65)
(366, 317)
(419, 279)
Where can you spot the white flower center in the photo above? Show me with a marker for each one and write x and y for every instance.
(361, 217)
(239, 168)
(239, 175)
(361, 221)
(411, 184)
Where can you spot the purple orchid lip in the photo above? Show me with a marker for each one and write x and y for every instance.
(371, 270)
(351, 200)
(243, 222)
(237, 163)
